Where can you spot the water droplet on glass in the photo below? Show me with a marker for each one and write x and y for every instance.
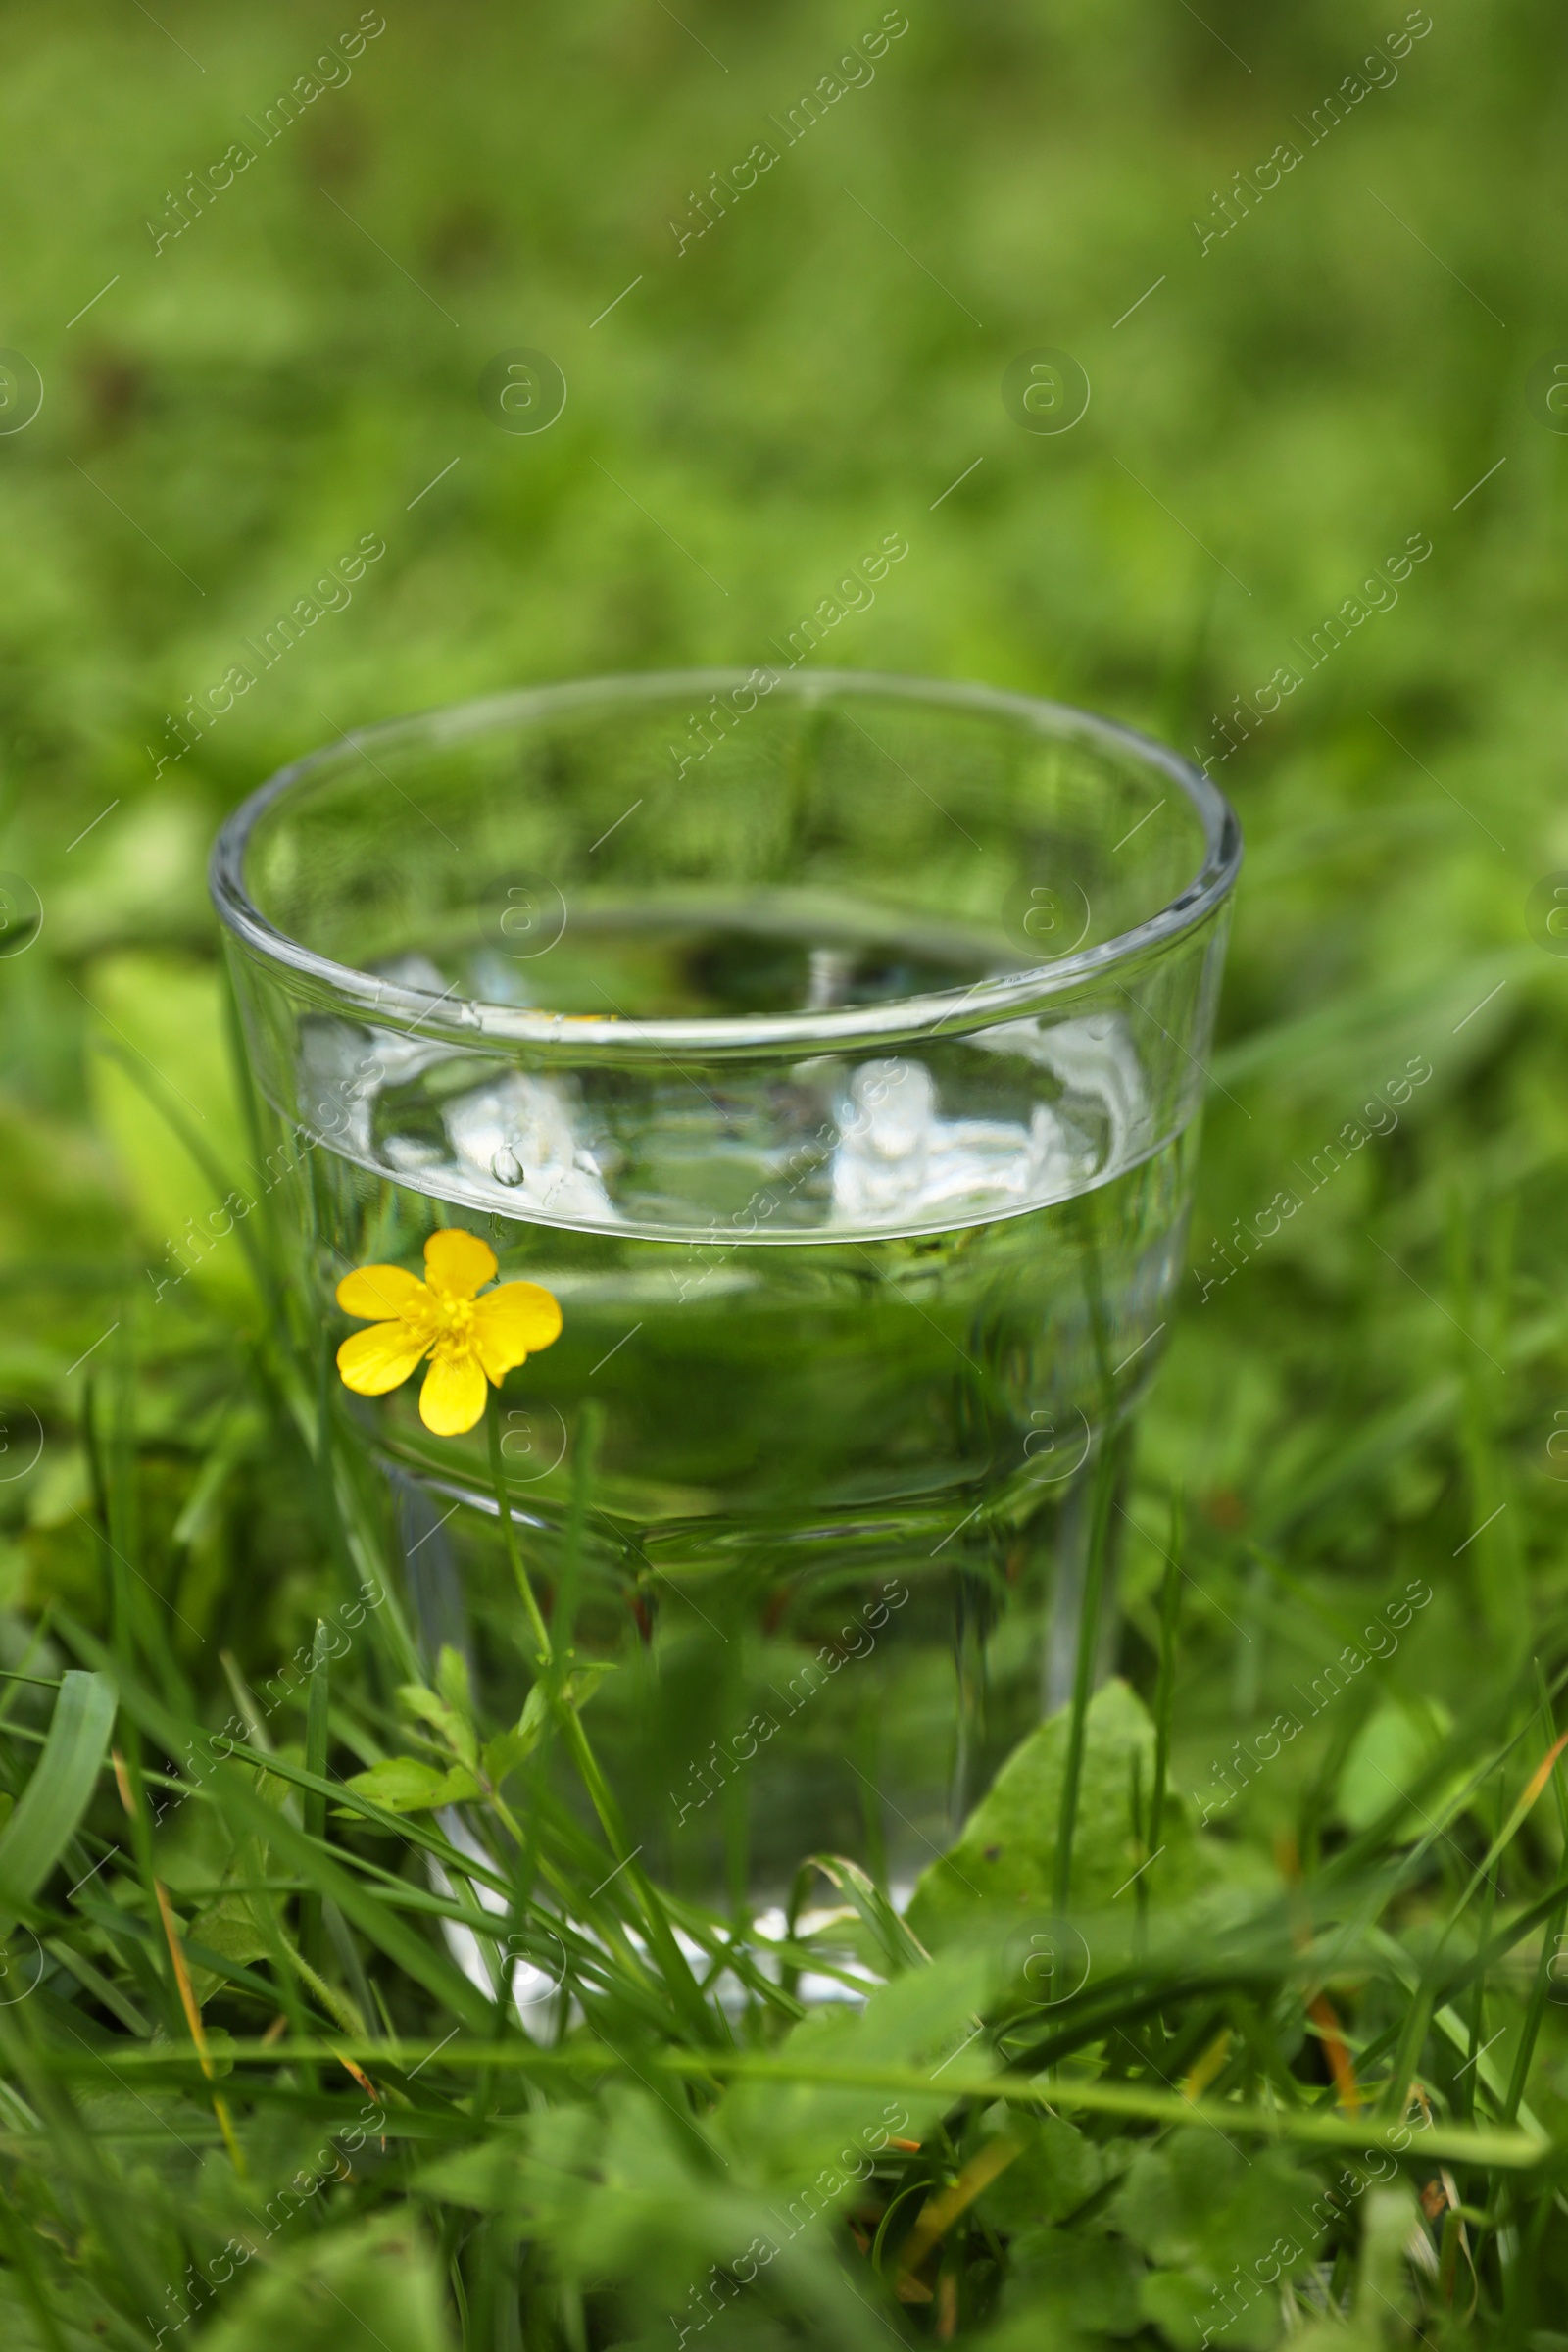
(506, 1167)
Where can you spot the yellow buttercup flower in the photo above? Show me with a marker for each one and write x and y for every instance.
(469, 1340)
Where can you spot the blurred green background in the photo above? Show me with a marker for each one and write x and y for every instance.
(1275, 412)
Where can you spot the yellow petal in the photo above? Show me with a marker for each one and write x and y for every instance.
(378, 1293)
(512, 1323)
(452, 1396)
(458, 1263)
(376, 1361)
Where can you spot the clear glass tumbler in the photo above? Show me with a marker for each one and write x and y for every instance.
(831, 1048)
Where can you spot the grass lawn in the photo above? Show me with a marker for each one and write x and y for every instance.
(261, 270)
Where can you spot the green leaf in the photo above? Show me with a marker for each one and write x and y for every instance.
(234, 1925)
(786, 2131)
(374, 2288)
(163, 1013)
(1202, 2211)
(576, 1690)
(422, 1704)
(535, 1712)
(1007, 1852)
(1195, 2198)
(583, 1681)
(246, 1812)
(507, 1750)
(510, 1749)
(627, 2191)
(405, 1786)
(58, 1794)
(1187, 2306)
(1386, 1757)
(1059, 2169)
(1063, 2282)
(230, 1929)
(452, 1680)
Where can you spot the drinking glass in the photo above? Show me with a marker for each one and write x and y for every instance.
(831, 1048)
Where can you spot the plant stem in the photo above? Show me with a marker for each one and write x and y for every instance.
(1170, 1604)
(589, 1428)
(313, 1807)
(1101, 1491)
(678, 1978)
(545, 1658)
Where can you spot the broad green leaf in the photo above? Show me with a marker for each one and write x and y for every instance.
(163, 1017)
(1006, 1853)
(1063, 2282)
(627, 2191)
(233, 1927)
(141, 877)
(1388, 1756)
(789, 2131)
(230, 1928)
(1199, 2209)
(1189, 2306)
(405, 1786)
(1059, 2169)
(1195, 2198)
(373, 2288)
(57, 1795)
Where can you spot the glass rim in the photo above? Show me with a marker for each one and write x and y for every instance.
(998, 996)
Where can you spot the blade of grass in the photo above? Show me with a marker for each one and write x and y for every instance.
(313, 1809)
(250, 1814)
(59, 1791)
(897, 1943)
(379, 1925)
(193, 2019)
(1304, 2127)
(1478, 1991)
(1551, 1939)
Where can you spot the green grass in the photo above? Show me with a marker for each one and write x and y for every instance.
(1366, 1403)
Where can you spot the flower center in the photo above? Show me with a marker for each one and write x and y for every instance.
(452, 1322)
